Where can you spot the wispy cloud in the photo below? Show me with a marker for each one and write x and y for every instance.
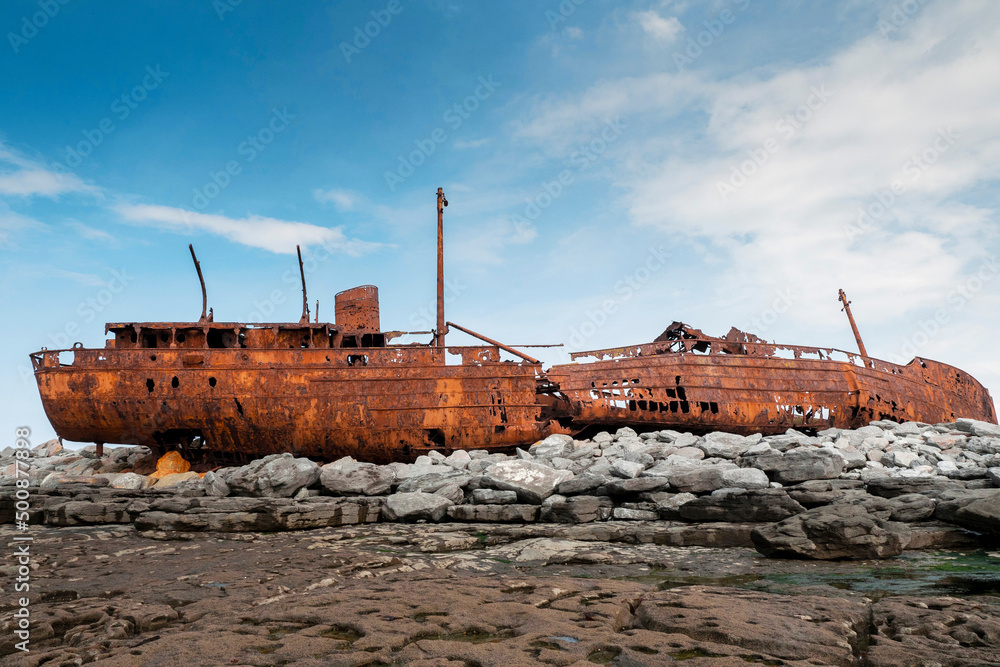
(841, 132)
(279, 236)
(664, 30)
(90, 233)
(342, 199)
(22, 177)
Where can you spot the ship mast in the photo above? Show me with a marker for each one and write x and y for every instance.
(201, 279)
(442, 329)
(854, 326)
(305, 301)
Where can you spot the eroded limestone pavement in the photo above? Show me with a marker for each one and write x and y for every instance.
(625, 549)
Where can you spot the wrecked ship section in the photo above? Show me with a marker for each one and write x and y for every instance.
(742, 384)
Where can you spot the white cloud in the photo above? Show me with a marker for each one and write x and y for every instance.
(574, 33)
(886, 100)
(661, 29)
(342, 199)
(279, 236)
(90, 233)
(22, 177)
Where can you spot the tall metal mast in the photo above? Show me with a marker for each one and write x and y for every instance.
(442, 329)
(854, 327)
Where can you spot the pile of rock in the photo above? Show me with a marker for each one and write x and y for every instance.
(839, 493)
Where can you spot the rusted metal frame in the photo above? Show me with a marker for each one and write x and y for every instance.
(854, 326)
(530, 360)
(304, 319)
(201, 279)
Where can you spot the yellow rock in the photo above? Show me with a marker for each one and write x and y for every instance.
(170, 463)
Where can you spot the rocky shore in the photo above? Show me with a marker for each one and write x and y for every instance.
(572, 552)
(865, 493)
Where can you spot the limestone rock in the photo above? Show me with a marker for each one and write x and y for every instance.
(493, 497)
(800, 465)
(556, 444)
(532, 482)
(416, 506)
(744, 478)
(757, 505)
(724, 445)
(575, 509)
(173, 479)
(810, 629)
(581, 484)
(498, 513)
(352, 478)
(832, 532)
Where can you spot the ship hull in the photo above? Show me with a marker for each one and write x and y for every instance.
(375, 404)
(747, 394)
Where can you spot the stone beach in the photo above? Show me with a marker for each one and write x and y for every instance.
(609, 508)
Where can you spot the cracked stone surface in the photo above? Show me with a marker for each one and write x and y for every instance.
(479, 594)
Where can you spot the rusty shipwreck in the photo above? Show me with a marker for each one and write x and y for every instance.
(231, 390)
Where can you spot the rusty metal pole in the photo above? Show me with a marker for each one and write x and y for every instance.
(201, 279)
(441, 326)
(305, 301)
(854, 327)
(530, 360)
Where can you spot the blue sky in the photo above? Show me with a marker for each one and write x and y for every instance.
(611, 167)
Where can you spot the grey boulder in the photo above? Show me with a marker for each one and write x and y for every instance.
(416, 506)
(832, 532)
(532, 482)
(352, 478)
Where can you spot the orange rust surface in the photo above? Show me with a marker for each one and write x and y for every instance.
(700, 383)
(377, 404)
(239, 391)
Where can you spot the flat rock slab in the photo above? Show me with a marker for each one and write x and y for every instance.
(799, 627)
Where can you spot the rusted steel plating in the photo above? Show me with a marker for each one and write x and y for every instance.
(854, 327)
(742, 384)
